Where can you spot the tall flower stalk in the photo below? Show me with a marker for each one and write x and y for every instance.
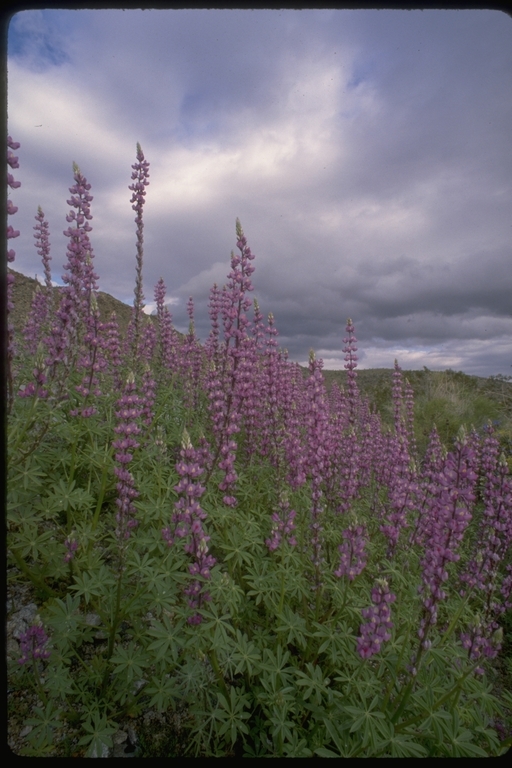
(80, 283)
(130, 407)
(140, 177)
(187, 523)
(41, 308)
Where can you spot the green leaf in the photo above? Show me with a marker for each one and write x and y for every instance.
(294, 626)
(65, 496)
(313, 681)
(28, 476)
(168, 636)
(96, 584)
(163, 691)
(100, 733)
(129, 662)
(31, 540)
(231, 714)
(339, 738)
(62, 616)
(45, 723)
(402, 746)
(276, 664)
(221, 625)
(246, 655)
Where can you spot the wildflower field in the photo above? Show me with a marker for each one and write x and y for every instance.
(208, 533)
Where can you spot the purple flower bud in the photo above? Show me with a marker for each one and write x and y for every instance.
(33, 643)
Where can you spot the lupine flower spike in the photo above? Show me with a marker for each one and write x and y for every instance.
(376, 631)
(140, 177)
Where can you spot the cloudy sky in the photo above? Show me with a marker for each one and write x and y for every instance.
(366, 153)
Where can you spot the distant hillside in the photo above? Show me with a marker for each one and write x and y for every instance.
(23, 292)
(376, 383)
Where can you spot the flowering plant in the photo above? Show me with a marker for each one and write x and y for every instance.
(228, 537)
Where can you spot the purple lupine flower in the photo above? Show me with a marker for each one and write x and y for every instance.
(140, 177)
(41, 307)
(493, 539)
(482, 639)
(79, 277)
(432, 467)
(351, 358)
(36, 387)
(71, 546)
(450, 517)
(295, 453)
(166, 334)
(224, 393)
(92, 360)
(33, 644)
(112, 349)
(282, 525)
(191, 361)
(376, 630)
(258, 329)
(148, 396)
(317, 424)
(187, 521)
(148, 342)
(130, 407)
(353, 555)
(214, 309)
(409, 419)
(271, 384)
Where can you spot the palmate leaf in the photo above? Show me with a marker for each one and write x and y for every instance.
(341, 740)
(129, 662)
(400, 745)
(58, 681)
(313, 682)
(31, 541)
(276, 665)
(294, 626)
(163, 691)
(222, 625)
(370, 723)
(64, 618)
(232, 713)
(282, 727)
(96, 584)
(99, 734)
(29, 476)
(167, 638)
(460, 739)
(44, 724)
(237, 548)
(66, 495)
(162, 591)
(246, 655)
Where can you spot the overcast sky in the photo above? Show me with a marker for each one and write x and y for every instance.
(366, 153)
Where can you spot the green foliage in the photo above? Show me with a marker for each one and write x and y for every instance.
(273, 669)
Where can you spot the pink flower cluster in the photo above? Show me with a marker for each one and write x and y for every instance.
(42, 299)
(71, 546)
(140, 178)
(449, 518)
(130, 407)
(282, 525)
(376, 630)
(33, 643)
(353, 555)
(187, 521)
